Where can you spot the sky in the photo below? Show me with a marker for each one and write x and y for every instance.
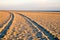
(29, 4)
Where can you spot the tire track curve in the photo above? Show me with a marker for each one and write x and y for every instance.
(4, 31)
(47, 33)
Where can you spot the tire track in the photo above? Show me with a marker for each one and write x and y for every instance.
(50, 36)
(4, 31)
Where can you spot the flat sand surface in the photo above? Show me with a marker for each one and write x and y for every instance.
(21, 29)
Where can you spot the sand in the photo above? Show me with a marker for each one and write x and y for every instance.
(21, 29)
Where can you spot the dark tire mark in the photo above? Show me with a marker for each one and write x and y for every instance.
(30, 38)
(4, 31)
(32, 26)
(39, 35)
(50, 36)
(43, 39)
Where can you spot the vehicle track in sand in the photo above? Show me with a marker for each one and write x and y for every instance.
(8, 24)
(50, 36)
(23, 26)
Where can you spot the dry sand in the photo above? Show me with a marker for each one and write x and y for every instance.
(21, 29)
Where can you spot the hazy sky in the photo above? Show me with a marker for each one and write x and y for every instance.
(29, 4)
